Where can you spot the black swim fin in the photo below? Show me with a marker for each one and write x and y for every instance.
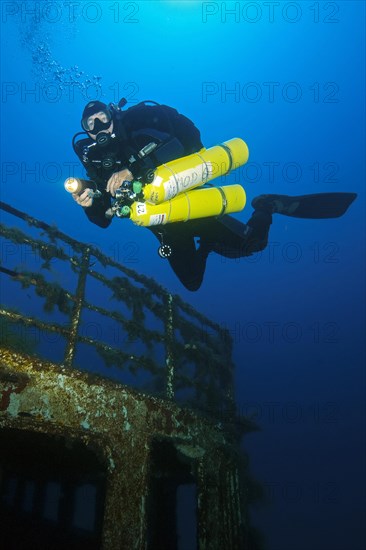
(318, 206)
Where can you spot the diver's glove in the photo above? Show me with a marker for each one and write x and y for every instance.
(81, 192)
(85, 199)
(117, 179)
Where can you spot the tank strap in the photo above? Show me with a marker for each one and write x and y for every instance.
(227, 149)
(224, 202)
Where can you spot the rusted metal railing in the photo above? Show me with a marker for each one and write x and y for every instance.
(192, 343)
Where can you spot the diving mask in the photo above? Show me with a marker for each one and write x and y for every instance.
(97, 122)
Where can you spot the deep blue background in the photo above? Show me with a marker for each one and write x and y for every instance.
(296, 311)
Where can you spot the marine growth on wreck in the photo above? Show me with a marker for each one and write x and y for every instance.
(116, 405)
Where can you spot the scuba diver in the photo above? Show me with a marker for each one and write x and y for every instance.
(127, 145)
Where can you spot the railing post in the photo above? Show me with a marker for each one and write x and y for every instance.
(169, 346)
(78, 306)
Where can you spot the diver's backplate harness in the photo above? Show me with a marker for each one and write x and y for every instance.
(164, 194)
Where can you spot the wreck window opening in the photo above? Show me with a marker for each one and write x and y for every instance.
(186, 503)
(53, 488)
(85, 507)
(52, 501)
(172, 500)
(28, 497)
(8, 489)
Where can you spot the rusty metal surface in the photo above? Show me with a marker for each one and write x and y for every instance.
(120, 424)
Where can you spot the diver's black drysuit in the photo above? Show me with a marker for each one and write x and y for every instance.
(176, 136)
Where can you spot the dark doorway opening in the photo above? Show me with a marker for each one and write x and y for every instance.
(172, 500)
(52, 492)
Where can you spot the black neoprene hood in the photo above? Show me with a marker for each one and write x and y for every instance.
(94, 107)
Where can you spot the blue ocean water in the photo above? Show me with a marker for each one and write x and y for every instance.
(289, 78)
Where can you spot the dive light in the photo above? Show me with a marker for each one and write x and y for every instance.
(78, 186)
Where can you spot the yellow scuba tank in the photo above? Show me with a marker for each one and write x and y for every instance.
(200, 203)
(171, 197)
(186, 173)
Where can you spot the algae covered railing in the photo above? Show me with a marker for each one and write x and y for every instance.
(96, 314)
